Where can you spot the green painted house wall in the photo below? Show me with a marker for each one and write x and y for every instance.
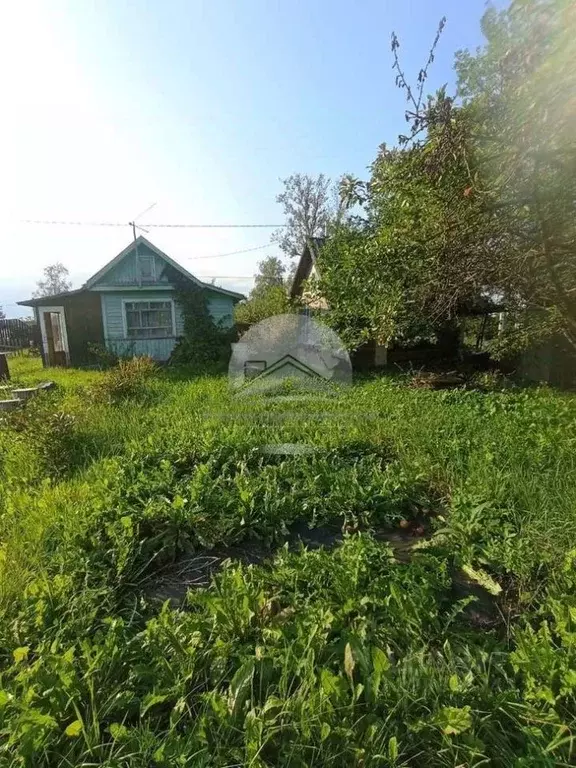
(115, 335)
(113, 317)
(124, 283)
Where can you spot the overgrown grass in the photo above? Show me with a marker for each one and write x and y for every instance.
(27, 370)
(343, 656)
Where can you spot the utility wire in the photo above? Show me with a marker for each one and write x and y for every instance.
(78, 223)
(233, 253)
(171, 226)
(226, 277)
(219, 226)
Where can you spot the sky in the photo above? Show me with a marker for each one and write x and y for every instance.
(199, 108)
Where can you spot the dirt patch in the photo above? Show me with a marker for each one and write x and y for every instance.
(432, 380)
(314, 538)
(483, 613)
(196, 571)
(402, 543)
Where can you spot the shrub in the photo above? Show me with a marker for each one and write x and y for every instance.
(126, 381)
(48, 427)
(210, 355)
(104, 357)
(204, 345)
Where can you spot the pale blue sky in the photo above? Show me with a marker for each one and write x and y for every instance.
(197, 106)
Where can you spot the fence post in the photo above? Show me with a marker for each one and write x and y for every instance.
(4, 370)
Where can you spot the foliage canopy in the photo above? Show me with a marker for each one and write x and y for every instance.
(55, 281)
(268, 297)
(476, 208)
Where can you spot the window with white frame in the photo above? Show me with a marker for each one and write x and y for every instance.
(148, 319)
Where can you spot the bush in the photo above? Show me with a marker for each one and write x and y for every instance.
(105, 357)
(126, 381)
(210, 356)
(49, 428)
(205, 346)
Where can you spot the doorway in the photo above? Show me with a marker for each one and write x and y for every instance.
(54, 337)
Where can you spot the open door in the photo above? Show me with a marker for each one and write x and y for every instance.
(54, 337)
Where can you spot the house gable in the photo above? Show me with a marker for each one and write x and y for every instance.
(306, 267)
(142, 265)
(144, 268)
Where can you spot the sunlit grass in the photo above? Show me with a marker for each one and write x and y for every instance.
(27, 370)
(343, 657)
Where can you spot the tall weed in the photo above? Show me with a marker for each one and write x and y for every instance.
(126, 381)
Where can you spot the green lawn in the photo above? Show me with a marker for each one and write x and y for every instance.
(348, 655)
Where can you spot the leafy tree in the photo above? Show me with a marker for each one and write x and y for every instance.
(519, 91)
(2, 314)
(204, 344)
(55, 281)
(274, 301)
(477, 205)
(271, 273)
(269, 295)
(308, 207)
(351, 191)
(409, 267)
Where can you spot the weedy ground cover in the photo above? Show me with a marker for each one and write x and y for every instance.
(344, 656)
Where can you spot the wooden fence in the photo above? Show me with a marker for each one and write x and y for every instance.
(17, 335)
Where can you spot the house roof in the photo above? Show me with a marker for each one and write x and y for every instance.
(305, 263)
(49, 300)
(91, 282)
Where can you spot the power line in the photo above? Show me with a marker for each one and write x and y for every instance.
(218, 226)
(170, 226)
(234, 253)
(78, 223)
(226, 277)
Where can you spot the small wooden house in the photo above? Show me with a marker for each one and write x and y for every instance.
(128, 307)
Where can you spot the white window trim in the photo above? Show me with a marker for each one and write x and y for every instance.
(147, 300)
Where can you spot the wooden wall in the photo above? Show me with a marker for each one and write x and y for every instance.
(83, 318)
(83, 325)
(221, 308)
